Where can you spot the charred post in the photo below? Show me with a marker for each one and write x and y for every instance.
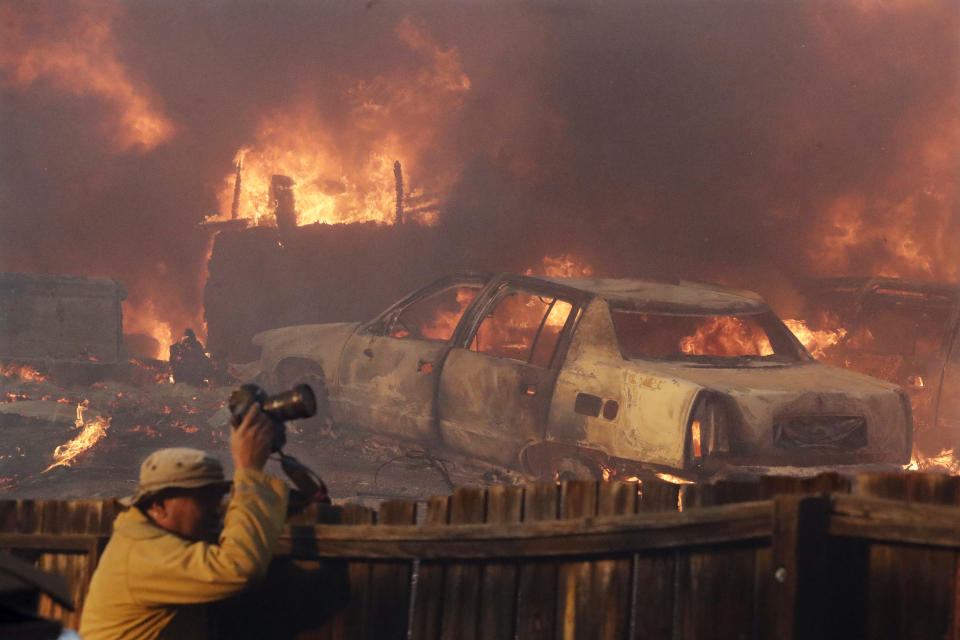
(284, 203)
(398, 176)
(235, 207)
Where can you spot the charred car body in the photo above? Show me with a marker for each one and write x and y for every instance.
(558, 375)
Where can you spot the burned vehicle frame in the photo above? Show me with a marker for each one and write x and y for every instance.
(906, 332)
(574, 377)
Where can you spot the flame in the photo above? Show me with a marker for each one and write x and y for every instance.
(666, 477)
(22, 371)
(947, 460)
(561, 266)
(815, 341)
(344, 172)
(144, 318)
(695, 431)
(445, 322)
(909, 232)
(726, 335)
(92, 432)
(72, 48)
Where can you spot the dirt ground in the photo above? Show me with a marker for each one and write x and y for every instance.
(146, 412)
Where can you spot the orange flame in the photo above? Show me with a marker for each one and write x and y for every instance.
(144, 318)
(815, 341)
(947, 460)
(344, 173)
(79, 57)
(92, 432)
(914, 226)
(561, 266)
(726, 335)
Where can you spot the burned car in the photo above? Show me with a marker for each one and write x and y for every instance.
(579, 376)
(904, 331)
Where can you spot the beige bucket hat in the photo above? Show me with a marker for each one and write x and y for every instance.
(177, 467)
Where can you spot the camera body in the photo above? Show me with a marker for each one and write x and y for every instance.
(296, 403)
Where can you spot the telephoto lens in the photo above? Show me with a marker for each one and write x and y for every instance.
(296, 403)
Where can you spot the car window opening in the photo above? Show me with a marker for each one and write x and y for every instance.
(434, 317)
(523, 327)
(705, 338)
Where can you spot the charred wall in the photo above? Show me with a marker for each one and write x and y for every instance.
(262, 278)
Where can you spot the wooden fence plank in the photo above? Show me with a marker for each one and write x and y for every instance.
(892, 486)
(427, 597)
(714, 593)
(910, 593)
(895, 521)
(715, 588)
(390, 581)
(537, 583)
(611, 580)
(354, 618)
(498, 587)
(577, 617)
(462, 581)
(658, 495)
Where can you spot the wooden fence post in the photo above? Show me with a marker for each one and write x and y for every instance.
(800, 588)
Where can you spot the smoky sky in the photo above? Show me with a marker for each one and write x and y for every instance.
(669, 139)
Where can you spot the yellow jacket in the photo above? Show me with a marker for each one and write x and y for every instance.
(151, 583)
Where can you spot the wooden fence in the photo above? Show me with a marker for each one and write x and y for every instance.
(870, 556)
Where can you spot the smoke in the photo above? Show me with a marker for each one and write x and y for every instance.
(750, 142)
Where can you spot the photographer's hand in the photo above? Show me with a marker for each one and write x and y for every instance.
(250, 442)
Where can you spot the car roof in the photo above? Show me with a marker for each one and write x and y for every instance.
(677, 297)
(893, 288)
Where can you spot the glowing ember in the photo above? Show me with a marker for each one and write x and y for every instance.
(22, 371)
(92, 432)
(695, 430)
(666, 477)
(815, 341)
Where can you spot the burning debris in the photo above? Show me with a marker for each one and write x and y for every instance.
(92, 430)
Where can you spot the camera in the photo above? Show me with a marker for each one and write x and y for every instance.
(296, 403)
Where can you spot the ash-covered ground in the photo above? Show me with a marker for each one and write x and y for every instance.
(147, 411)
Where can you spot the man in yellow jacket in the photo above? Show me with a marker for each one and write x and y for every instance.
(164, 561)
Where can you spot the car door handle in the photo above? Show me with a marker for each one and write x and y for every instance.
(368, 352)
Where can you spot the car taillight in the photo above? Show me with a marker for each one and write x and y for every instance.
(709, 428)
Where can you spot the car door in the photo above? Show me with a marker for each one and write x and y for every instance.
(496, 385)
(388, 370)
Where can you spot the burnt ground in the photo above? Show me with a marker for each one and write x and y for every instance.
(148, 412)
